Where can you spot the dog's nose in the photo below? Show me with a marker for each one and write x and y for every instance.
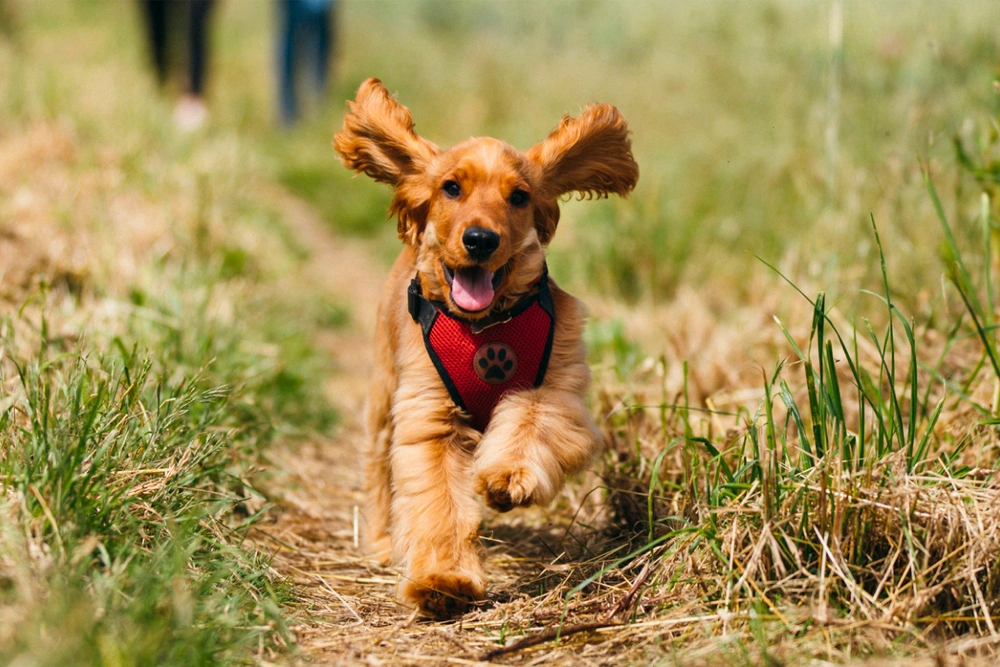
(480, 242)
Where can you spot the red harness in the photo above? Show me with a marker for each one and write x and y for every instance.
(479, 361)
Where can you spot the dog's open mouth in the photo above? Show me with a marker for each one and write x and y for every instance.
(473, 288)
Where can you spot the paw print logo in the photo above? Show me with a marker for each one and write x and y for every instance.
(495, 363)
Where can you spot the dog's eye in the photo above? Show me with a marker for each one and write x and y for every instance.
(518, 198)
(452, 189)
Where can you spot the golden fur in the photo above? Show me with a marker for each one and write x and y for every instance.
(424, 464)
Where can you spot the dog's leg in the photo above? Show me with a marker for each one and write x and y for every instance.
(535, 439)
(378, 470)
(435, 514)
(378, 485)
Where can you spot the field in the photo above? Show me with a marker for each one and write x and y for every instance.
(793, 339)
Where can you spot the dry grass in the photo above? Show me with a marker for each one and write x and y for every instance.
(876, 561)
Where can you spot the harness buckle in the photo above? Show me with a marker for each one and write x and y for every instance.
(413, 299)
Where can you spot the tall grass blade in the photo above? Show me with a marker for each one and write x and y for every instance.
(960, 277)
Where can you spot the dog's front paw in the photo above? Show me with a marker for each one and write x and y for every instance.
(506, 489)
(443, 596)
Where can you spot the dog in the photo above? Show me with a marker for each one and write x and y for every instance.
(480, 378)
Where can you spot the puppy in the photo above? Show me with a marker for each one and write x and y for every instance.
(480, 368)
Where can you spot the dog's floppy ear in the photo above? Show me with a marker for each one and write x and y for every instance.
(591, 155)
(378, 139)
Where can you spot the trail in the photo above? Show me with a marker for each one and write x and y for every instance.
(346, 612)
(317, 484)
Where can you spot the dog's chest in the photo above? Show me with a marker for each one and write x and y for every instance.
(479, 367)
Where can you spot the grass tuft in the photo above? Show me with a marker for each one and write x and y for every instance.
(839, 502)
(122, 493)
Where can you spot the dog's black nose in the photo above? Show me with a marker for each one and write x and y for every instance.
(480, 242)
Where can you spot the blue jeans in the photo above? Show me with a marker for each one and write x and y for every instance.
(305, 40)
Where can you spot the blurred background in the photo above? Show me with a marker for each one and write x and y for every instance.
(774, 129)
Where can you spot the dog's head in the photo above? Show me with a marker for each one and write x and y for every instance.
(481, 212)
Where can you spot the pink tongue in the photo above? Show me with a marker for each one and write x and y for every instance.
(472, 290)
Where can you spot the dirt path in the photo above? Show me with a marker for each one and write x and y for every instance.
(347, 613)
(317, 485)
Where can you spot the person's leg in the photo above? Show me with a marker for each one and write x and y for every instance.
(201, 11)
(322, 22)
(155, 14)
(191, 111)
(289, 12)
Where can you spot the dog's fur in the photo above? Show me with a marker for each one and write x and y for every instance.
(424, 462)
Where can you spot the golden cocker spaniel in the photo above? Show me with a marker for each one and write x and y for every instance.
(480, 375)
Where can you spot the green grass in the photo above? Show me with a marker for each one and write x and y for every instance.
(129, 470)
(131, 456)
(144, 376)
(122, 489)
